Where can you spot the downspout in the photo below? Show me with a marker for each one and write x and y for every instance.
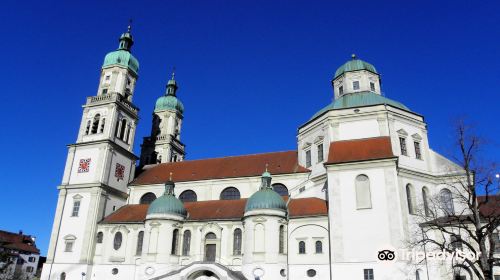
(329, 235)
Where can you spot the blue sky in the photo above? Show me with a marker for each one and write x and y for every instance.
(250, 72)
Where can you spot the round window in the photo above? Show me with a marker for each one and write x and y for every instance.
(283, 273)
(114, 271)
(311, 273)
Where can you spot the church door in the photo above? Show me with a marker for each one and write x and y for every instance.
(210, 252)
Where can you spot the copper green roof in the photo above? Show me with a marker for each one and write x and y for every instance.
(266, 197)
(354, 65)
(359, 99)
(167, 203)
(169, 102)
(122, 55)
(122, 58)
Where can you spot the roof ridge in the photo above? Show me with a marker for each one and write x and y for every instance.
(211, 158)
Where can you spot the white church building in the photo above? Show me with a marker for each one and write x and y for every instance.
(362, 167)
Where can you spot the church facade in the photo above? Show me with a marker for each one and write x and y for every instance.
(362, 167)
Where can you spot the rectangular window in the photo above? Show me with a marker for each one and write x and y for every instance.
(308, 158)
(107, 78)
(302, 189)
(372, 86)
(402, 145)
(104, 90)
(368, 274)
(355, 85)
(320, 152)
(341, 90)
(418, 153)
(69, 246)
(76, 208)
(29, 269)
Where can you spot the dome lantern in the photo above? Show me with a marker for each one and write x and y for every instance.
(167, 204)
(265, 197)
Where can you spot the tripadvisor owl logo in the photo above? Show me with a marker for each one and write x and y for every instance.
(386, 255)
(389, 254)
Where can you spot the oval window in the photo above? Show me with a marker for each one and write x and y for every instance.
(311, 273)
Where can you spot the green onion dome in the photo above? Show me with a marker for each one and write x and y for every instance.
(266, 197)
(167, 203)
(122, 55)
(122, 58)
(170, 101)
(354, 65)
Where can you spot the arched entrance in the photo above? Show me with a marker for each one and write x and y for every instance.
(203, 275)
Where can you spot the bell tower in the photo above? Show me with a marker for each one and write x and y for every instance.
(164, 144)
(99, 166)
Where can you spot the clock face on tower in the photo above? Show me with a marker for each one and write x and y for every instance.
(119, 171)
(84, 165)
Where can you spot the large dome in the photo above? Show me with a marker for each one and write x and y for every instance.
(359, 99)
(167, 203)
(266, 197)
(169, 102)
(354, 65)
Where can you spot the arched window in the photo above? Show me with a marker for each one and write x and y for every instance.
(230, 193)
(188, 196)
(282, 239)
(175, 241)
(95, 124)
(425, 195)
(100, 236)
(87, 128)
(237, 242)
(280, 189)
(103, 123)
(302, 247)
(319, 247)
(147, 198)
(186, 243)
(447, 202)
(410, 198)
(140, 240)
(363, 194)
(122, 129)
(210, 235)
(63, 276)
(117, 241)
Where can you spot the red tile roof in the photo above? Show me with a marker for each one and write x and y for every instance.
(218, 168)
(18, 241)
(218, 210)
(360, 150)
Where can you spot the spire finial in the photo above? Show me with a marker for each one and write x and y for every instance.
(129, 27)
(173, 74)
(353, 56)
(170, 178)
(267, 164)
